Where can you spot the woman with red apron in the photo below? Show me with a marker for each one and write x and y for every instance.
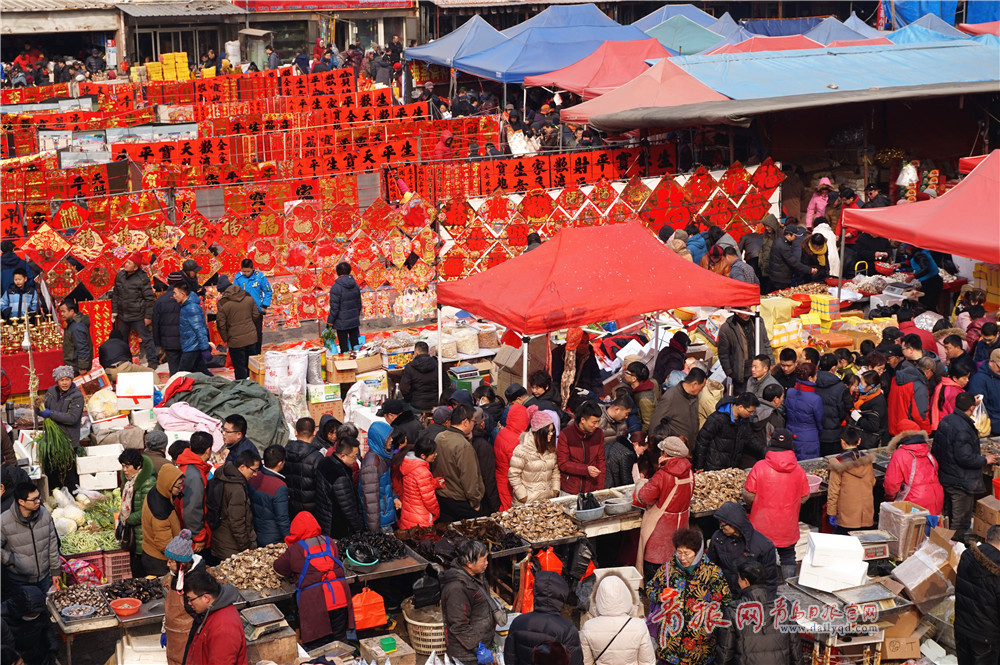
(321, 591)
(667, 499)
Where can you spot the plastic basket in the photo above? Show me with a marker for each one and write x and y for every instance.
(425, 638)
(117, 566)
(96, 558)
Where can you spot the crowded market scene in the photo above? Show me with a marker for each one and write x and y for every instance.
(358, 332)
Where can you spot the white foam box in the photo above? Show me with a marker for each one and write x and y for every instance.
(106, 480)
(109, 424)
(833, 578)
(100, 459)
(135, 391)
(144, 419)
(827, 549)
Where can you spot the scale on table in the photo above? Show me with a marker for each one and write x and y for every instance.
(876, 543)
(461, 372)
(897, 288)
(262, 620)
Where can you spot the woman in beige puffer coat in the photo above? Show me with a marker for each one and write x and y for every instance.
(533, 474)
(612, 602)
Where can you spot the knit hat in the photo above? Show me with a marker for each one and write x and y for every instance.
(681, 234)
(175, 278)
(664, 233)
(179, 549)
(514, 391)
(715, 254)
(441, 414)
(673, 446)
(539, 419)
(995, 356)
(62, 372)
(223, 284)
(136, 258)
(156, 440)
(782, 439)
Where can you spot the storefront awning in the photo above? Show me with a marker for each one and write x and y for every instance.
(24, 17)
(173, 9)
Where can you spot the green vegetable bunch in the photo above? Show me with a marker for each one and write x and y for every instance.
(55, 452)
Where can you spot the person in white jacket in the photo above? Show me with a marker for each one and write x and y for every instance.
(534, 474)
(614, 636)
(832, 246)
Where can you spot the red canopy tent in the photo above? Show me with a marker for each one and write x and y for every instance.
(663, 84)
(874, 41)
(966, 164)
(611, 65)
(965, 220)
(590, 274)
(991, 28)
(758, 44)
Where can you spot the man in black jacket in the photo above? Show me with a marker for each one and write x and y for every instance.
(487, 462)
(960, 464)
(837, 404)
(132, 305)
(167, 323)
(728, 434)
(786, 266)
(336, 494)
(400, 416)
(977, 602)
(737, 541)
(345, 308)
(419, 383)
(302, 458)
(78, 350)
(544, 624)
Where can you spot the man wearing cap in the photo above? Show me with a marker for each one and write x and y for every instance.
(132, 305)
(398, 415)
(440, 421)
(156, 445)
(237, 320)
(257, 287)
(785, 266)
(167, 323)
(189, 273)
(875, 198)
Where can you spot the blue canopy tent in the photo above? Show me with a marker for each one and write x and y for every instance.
(915, 34)
(862, 28)
(935, 23)
(564, 16)
(682, 35)
(472, 36)
(542, 50)
(781, 27)
(729, 29)
(669, 11)
(904, 12)
(832, 30)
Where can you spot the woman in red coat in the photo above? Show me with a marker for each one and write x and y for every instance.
(503, 449)
(667, 498)
(912, 474)
(321, 592)
(419, 498)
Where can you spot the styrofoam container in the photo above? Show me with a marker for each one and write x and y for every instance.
(827, 549)
(144, 419)
(98, 464)
(833, 578)
(107, 480)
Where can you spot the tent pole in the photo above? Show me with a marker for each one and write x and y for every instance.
(524, 360)
(440, 362)
(524, 104)
(843, 239)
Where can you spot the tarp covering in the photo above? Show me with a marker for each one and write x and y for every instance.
(860, 27)
(781, 27)
(663, 84)
(473, 36)
(591, 274)
(930, 224)
(981, 28)
(873, 41)
(542, 50)
(832, 30)
(966, 164)
(932, 22)
(684, 36)
(667, 11)
(607, 68)
(916, 34)
(904, 12)
(761, 44)
(729, 29)
(982, 12)
(564, 16)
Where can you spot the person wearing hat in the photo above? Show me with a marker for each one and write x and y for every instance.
(160, 521)
(237, 319)
(181, 560)
(189, 273)
(506, 442)
(533, 473)
(440, 420)
(715, 260)
(400, 416)
(419, 382)
(64, 405)
(167, 323)
(257, 287)
(818, 201)
(667, 500)
(155, 442)
(132, 302)
(775, 487)
(737, 541)
(95, 63)
(816, 256)
(874, 198)
(785, 266)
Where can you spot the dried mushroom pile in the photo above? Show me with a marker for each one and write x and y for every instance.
(812, 288)
(714, 488)
(253, 569)
(538, 521)
(83, 595)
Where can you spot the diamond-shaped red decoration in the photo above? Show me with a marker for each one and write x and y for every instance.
(767, 177)
(735, 181)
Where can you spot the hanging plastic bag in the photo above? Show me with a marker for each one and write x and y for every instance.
(427, 589)
(982, 419)
(369, 609)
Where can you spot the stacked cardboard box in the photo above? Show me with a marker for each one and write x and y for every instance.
(833, 562)
(905, 521)
(986, 276)
(987, 514)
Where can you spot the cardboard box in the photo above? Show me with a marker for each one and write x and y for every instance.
(834, 577)
(257, 363)
(92, 381)
(135, 391)
(372, 652)
(100, 459)
(827, 549)
(901, 648)
(377, 382)
(369, 363)
(322, 392)
(319, 409)
(988, 510)
(397, 358)
(341, 368)
(906, 521)
(930, 572)
(903, 624)
(980, 527)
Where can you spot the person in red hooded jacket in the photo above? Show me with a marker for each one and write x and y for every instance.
(912, 474)
(419, 498)
(776, 487)
(503, 449)
(443, 149)
(667, 499)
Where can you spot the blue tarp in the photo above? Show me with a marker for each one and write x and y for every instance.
(932, 22)
(904, 12)
(988, 40)
(745, 76)
(831, 30)
(915, 34)
(680, 34)
(668, 11)
(781, 27)
(564, 16)
(860, 27)
(542, 50)
(982, 12)
(473, 36)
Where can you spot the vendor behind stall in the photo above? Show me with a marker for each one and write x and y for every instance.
(181, 560)
(321, 592)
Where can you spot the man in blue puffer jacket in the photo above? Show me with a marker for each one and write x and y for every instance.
(257, 287)
(377, 497)
(195, 349)
(269, 498)
(345, 308)
(696, 243)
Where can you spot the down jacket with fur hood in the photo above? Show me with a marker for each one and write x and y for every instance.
(912, 474)
(849, 497)
(612, 602)
(533, 476)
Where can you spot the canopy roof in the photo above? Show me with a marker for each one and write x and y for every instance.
(931, 224)
(471, 37)
(831, 30)
(966, 164)
(917, 34)
(564, 16)
(607, 68)
(729, 29)
(859, 26)
(682, 35)
(759, 44)
(781, 27)
(937, 24)
(591, 274)
(981, 28)
(668, 11)
(871, 41)
(540, 50)
(663, 84)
